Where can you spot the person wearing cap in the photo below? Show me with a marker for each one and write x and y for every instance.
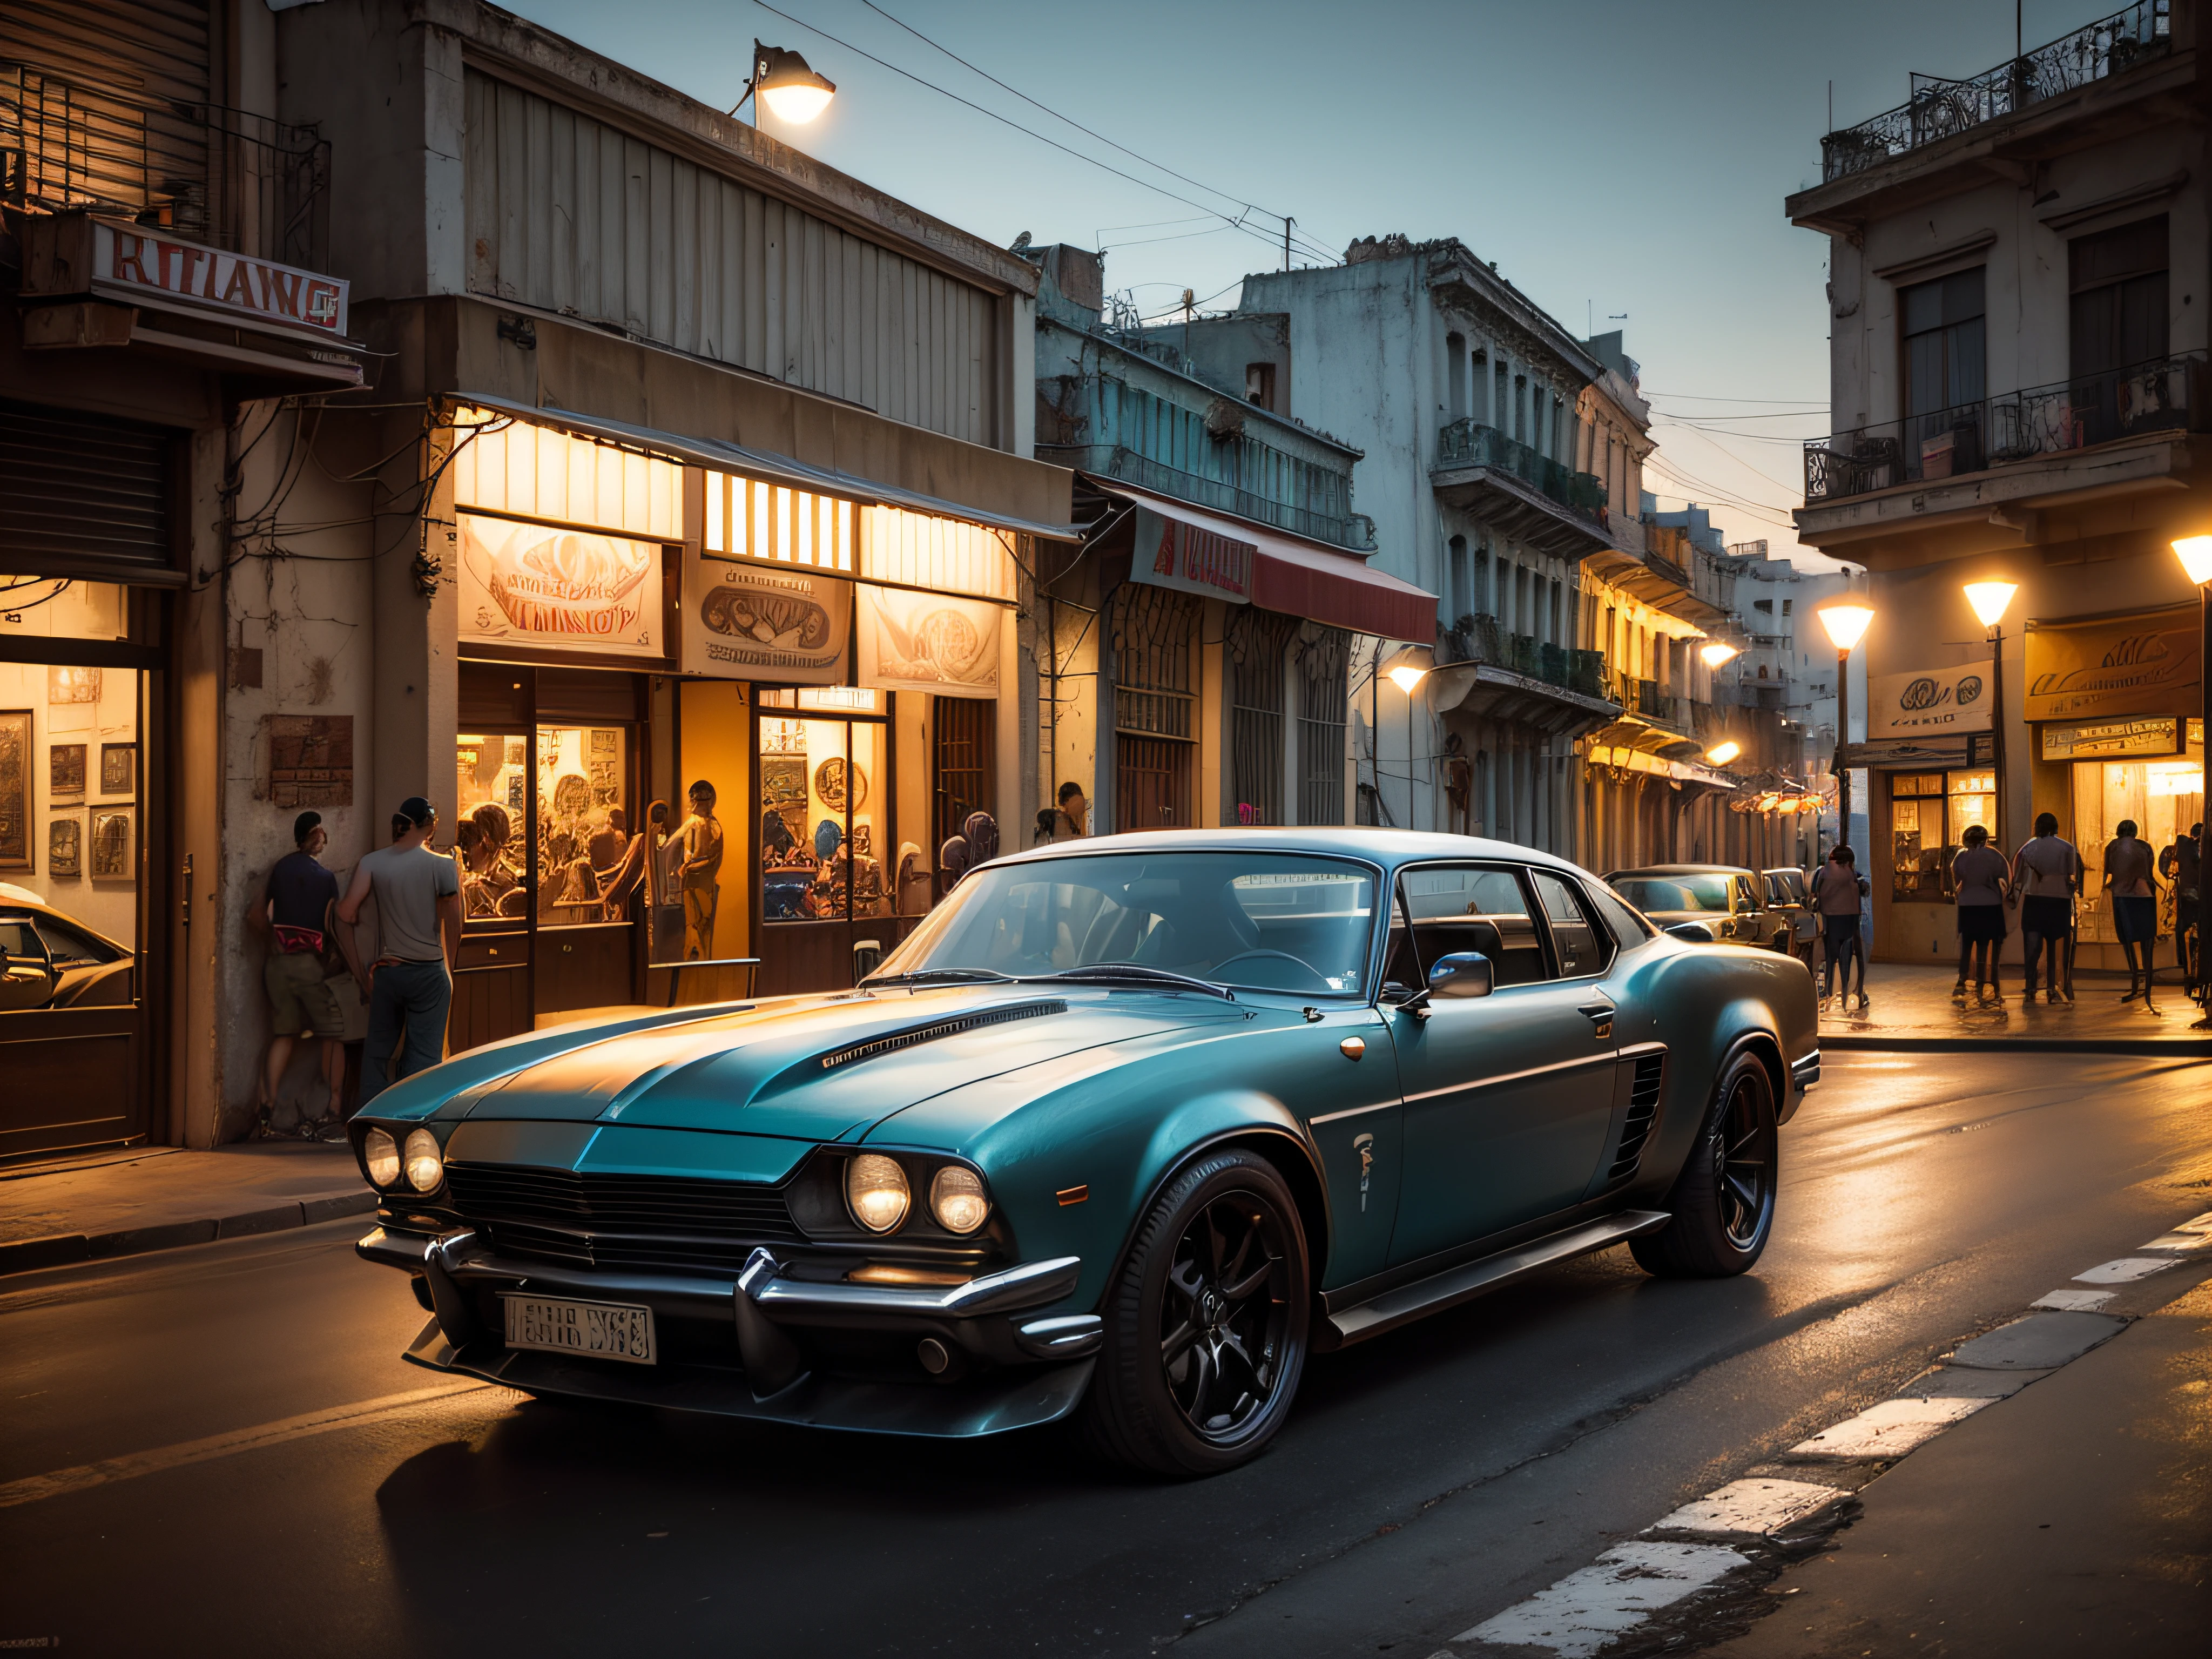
(410, 985)
(296, 904)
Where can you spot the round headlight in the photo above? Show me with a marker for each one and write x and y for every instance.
(875, 1186)
(426, 1165)
(957, 1200)
(379, 1156)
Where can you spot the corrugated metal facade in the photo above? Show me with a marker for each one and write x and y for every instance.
(569, 214)
(157, 49)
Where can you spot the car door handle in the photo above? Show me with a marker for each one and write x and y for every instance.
(1599, 1015)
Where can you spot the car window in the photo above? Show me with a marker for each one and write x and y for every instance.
(1580, 946)
(18, 937)
(1662, 894)
(71, 948)
(1465, 907)
(1627, 925)
(1748, 896)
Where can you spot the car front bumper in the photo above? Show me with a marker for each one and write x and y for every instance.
(768, 1344)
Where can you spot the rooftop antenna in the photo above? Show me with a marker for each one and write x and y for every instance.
(1288, 222)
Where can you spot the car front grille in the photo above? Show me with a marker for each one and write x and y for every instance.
(662, 1221)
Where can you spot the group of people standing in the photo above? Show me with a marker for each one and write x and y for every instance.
(2044, 880)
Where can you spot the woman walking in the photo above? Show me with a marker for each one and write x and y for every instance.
(1980, 881)
(2046, 874)
(1838, 889)
(2134, 891)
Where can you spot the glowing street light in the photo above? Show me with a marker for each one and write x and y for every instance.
(1717, 653)
(1847, 625)
(787, 85)
(1722, 753)
(1409, 668)
(1988, 600)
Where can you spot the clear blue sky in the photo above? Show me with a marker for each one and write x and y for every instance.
(1612, 157)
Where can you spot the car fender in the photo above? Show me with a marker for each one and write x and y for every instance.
(1701, 1044)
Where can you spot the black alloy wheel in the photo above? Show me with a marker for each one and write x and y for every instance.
(1724, 1201)
(1207, 1325)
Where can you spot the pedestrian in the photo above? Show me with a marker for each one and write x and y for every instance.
(296, 902)
(1839, 890)
(2046, 873)
(2132, 885)
(410, 985)
(1069, 817)
(1047, 818)
(2180, 865)
(699, 871)
(1981, 887)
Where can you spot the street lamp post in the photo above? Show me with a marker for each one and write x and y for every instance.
(1846, 625)
(783, 81)
(1988, 600)
(2195, 553)
(1407, 670)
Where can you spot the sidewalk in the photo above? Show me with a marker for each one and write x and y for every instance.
(1909, 1007)
(2073, 1518)
(152, 1198)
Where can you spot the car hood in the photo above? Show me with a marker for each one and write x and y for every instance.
(820, 1068)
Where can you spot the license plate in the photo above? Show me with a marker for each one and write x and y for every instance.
(595, 1330)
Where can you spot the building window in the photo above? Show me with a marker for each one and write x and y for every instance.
(1154, 631)
(1929, 813)
(1254, 644)
(1459, 597)
(1323, 659)
(1785, 607)
(1943, 327)
(1456, 375)
(2118, 320)
(1260, 386)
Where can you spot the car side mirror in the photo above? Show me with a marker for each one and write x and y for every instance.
(1697, 933)
(1462, 974)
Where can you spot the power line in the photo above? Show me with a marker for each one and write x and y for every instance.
(1252, 231)
(1693, 397)
(1746, 414)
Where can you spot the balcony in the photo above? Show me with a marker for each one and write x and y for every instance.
(219, 177)
(1537, 500)
(1940, 108)
(2020, 426)
(1353, 531)
(1481, 640)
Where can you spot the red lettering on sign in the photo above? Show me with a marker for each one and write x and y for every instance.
(283, 292)
(1163, 565)
(129, 252)
(192, 257)
(240, 290)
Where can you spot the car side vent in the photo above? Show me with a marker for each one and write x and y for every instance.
(932, 1032)
(1643, 1108)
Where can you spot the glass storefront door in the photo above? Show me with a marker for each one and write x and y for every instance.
(825, 852)
(2163, 797)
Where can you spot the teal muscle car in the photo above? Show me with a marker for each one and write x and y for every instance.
(1127, 1129)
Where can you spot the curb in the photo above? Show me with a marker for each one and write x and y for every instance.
(25, 1255)
(2178, 1047)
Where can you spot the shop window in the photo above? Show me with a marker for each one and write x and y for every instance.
(826, 824)
(2163, 797)
(583, 828)
(1919, 870)
(1155, 632)
(1254, 644)
(1323, 656)
(492, 793)
(963, 764)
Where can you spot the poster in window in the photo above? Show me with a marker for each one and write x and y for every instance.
(66, 685)
(118, 768)
(65, 845)
(928, 643)
(111, 846)
(751, 621)
(15, 789)
(562, 590)
(65, 771)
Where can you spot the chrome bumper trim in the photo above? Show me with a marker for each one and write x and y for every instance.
(1032, 1284)
(1804, 1072)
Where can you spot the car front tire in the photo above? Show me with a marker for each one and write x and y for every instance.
(1206, 1324)
(1723, 1201)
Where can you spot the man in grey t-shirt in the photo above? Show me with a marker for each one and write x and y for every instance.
(410, 985)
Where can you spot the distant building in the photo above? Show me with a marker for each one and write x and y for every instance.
(2017, 366)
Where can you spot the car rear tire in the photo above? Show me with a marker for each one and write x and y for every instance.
(1723, 1201)
(1206, 1323)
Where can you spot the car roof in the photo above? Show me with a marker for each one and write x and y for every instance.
(1687, 870)
(13, 897)
(1387, 848)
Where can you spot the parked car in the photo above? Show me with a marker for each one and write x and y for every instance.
(1725, 900)
(1127, 1129)
(1790, 894)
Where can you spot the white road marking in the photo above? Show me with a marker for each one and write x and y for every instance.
(36, 1488)
(2202, 1223)
(1889, 1429)
(2125, 1271)
(2065, 1301)
(1756, 1507)
(2179, 1240)
(1586, 1610)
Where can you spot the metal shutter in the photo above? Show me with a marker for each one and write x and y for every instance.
(82, 491)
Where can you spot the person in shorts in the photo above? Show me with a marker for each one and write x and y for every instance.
(303, 1004)
(410, 987)
(1980, 888)
(2132, 885)
(2180, 865)
(1839, 888)
(2046, 873)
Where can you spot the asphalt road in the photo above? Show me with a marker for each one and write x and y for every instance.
(236, 1478)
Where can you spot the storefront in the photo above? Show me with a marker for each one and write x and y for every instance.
(718, 731)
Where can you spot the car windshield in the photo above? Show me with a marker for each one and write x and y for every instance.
(1664, 893)
(1251, 921)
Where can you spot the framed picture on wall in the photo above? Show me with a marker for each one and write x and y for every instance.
(72, 684)
(65, 771)
(15, 789)
(119, 770)
(65, 845)
(111, 846)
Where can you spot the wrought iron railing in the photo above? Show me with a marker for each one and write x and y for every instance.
(210, 174)
(1940, 108)
(1471, 443)
(1354, 531)
(2165, 394)
(1479, 639)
